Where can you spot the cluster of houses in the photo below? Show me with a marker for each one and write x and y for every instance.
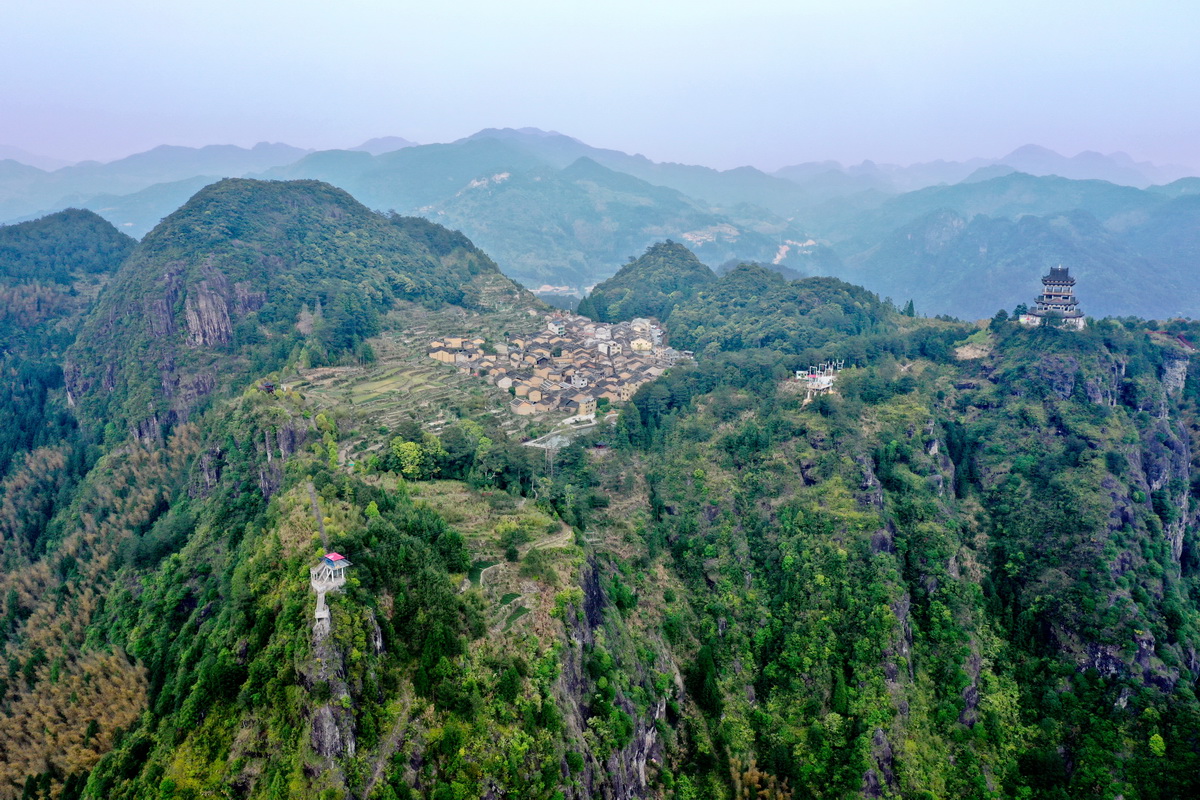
(569, 366)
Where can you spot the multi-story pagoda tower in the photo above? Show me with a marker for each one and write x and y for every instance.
(1056, 304)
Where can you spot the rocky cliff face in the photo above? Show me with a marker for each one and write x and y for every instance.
(177, 317)
(1174, 371)
(1143, 503)
(625, 772)
(208, 314)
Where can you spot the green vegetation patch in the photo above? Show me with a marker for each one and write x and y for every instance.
(477, 569)
(514, 616)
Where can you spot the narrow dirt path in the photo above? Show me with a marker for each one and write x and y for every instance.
(564, 538)
(316, 512)
(484, 572)
(391, 743)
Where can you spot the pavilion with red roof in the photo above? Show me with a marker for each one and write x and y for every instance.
(332, 569)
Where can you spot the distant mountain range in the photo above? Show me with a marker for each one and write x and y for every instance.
(383, 144)
(972, 248)
(1032, 159)
(959, 238)
(28, 192)
(8, 152)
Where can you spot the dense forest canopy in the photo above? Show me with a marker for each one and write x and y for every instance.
(751, 306)
(60, 248)
(51, 270)
(648, 286)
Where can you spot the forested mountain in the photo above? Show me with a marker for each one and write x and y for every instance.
(247, 276)
(573, 225)
(969, 571)
(51, 270)
(60, 249)
(568, 214)
(236, 280)
(952, 579)
(750, 305)
(648, 286)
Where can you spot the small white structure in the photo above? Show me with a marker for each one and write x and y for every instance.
(328, 575)
(819, 378)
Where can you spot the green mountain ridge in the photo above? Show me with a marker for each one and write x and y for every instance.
(595, 215)
(51, 271)
(649, 286)
(235, 280)
(549, 209)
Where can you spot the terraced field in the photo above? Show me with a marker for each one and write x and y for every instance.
(404, 383)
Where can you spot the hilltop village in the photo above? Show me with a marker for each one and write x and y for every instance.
(573, 365)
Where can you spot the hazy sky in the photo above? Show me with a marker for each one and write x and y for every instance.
(718, 83)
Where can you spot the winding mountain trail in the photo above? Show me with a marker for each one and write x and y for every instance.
(564, 538)
(391, 743)
(316, 511)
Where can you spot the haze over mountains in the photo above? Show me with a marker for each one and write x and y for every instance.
(959, 238)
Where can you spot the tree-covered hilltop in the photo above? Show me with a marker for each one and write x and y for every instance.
(245, 276)
(753, 306)
(749, 306)
(648, 286)
(60, 248)
(50, 272)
